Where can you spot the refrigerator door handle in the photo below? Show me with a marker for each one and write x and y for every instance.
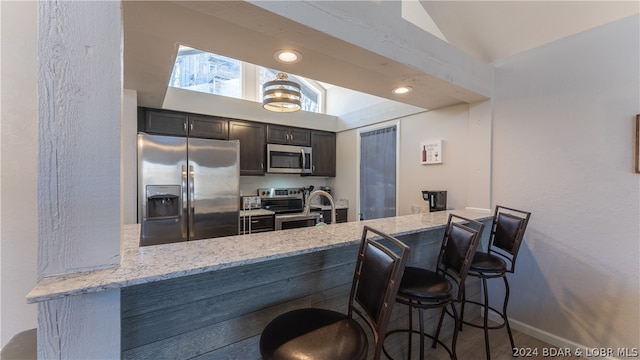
(191, 202)
(185, 213)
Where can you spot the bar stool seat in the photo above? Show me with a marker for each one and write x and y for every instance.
(287, 335)
(487, 263)
(419, 283)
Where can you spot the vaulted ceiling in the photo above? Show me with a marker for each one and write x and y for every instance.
(480, 32)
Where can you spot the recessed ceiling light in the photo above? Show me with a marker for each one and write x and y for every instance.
(402, 90)
(287, 56)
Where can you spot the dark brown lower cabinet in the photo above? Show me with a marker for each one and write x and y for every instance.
(260, 223)
(341, 216)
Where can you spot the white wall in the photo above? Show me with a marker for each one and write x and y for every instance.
(449, 125)
(341, 101)
(563, 149)
(18, 149)
(464, 173)
(479, 145)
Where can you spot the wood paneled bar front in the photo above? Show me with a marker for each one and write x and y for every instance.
(210, 299)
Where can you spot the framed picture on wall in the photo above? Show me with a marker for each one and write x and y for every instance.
(637, 157)
(431, 152)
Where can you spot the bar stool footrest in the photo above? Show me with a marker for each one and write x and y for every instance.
(398, 331)
(481, 326)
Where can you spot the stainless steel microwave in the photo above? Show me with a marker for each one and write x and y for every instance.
(288, 159)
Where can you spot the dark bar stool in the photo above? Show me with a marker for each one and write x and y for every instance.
(425, 289)
(324, 334)
(507, 232)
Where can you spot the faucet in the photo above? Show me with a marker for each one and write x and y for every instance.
(313, 195)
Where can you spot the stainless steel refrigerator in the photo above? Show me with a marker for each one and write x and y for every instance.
(188, 188)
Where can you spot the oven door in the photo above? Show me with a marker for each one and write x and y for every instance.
(293, 221)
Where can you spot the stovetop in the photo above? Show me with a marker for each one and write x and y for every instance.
(282, 200)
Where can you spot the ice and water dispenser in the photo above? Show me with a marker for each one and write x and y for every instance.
(163, 202)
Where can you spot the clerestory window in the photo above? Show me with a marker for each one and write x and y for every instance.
(198, 70)
(206, 72)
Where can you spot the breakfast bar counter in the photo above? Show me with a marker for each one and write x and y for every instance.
(210, 299)
(140, 265)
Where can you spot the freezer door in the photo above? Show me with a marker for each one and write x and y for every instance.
(162, 179)
(214, 188)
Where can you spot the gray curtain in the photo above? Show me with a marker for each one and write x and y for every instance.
(378, 173)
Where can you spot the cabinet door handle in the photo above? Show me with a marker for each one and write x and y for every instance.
(185, 126)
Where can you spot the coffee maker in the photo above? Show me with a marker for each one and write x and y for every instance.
(437, 199)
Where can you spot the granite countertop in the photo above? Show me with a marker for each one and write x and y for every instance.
(140, 265)
(255, 212)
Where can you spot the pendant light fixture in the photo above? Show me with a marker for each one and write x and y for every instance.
(281, 94)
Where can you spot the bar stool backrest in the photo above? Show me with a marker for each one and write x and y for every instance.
(375, 282)
(507, 233)
(458, 247)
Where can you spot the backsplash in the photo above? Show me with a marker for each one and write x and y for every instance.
(250, 184)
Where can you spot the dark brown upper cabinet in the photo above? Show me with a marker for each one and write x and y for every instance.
(288, 135)
(208, 127)
(252, 145)
(165, 122)
(323, 147)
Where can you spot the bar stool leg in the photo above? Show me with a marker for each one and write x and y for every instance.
(504, 311)
(464, 299)
(486, 318)
(421, 319)
(455, 331)
(410, 330)
(437, 335)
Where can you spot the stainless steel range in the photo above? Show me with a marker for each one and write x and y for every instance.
(288, 206)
